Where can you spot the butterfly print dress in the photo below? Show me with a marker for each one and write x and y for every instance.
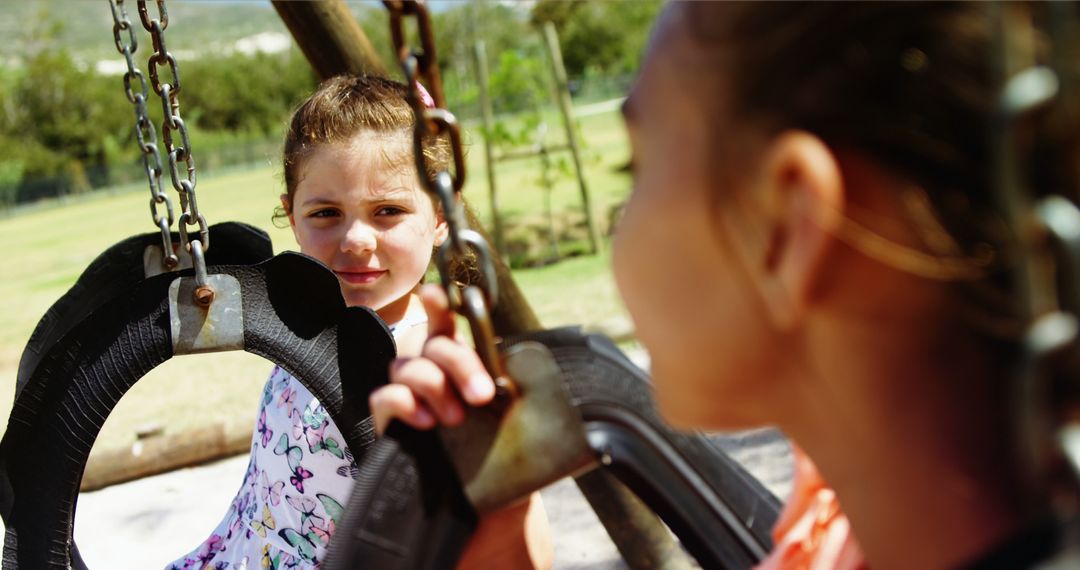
(299, 476)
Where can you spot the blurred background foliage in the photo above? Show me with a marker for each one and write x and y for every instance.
(66, 128)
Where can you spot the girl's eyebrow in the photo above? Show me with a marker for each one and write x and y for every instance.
(316, 200)
(395, 194)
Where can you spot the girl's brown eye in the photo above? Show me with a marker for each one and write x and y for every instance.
(627, 168)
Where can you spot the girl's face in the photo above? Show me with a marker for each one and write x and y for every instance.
(676, 263)
(359, 208)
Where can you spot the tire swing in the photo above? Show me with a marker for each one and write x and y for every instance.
(566, 403)
(287, 310)
(131, 310)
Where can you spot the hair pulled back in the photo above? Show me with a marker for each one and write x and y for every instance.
(912, 86)
(342, 107)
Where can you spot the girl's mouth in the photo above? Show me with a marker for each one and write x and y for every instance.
(360, 277)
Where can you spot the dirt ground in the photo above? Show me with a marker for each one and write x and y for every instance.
(148, 522)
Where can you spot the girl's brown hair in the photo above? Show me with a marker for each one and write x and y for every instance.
(337, 111)
(912, 86)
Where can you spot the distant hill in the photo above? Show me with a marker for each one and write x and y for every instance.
(84, 27)
(196, 27)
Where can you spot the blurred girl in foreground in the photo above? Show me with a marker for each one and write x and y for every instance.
(812, 243)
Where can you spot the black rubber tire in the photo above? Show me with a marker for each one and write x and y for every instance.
(407, 509)
(113, 272)
(721, 513)
(120, 267)
(293, 315)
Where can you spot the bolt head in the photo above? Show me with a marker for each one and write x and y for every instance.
(204, 296)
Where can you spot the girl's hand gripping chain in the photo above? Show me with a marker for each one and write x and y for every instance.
(430, 389)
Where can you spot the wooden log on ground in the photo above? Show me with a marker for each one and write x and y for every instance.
(161, 453)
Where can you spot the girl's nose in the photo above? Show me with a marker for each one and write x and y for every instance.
(359, 238)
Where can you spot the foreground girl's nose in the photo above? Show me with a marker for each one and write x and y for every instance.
(359, 237)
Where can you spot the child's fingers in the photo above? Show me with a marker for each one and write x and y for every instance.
(463, 367)
(429, 382)
(398, 401)
(440, 318)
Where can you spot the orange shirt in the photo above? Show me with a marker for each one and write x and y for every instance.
(812, 533)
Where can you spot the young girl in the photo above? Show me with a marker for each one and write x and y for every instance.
(822, 175)
(354, 202)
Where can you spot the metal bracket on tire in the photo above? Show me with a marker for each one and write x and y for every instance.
(502, 455)
(214, 328)
(153, 260)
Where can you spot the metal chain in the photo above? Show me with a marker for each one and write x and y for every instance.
(170, 109)
(475, 300)
(145, 133)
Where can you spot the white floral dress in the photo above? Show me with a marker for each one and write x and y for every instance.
(299, 477)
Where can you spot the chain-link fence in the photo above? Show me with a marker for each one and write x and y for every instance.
(229, 152)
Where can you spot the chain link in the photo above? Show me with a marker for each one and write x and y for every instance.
(144, 131)
(475, 301)
(147, 21)
(173, 122)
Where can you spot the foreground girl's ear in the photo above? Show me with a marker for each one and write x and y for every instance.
(802, 192)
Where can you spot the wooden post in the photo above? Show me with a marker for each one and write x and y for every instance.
(562, 91)
(637, 532)
(548, 185)
(330, 37)
(480, 53)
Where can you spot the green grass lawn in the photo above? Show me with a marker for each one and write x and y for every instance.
(46, 249)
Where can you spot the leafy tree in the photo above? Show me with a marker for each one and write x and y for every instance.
(245, 93)
(599, 37)
(519, 83)
(502, 28)
(64, 114)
